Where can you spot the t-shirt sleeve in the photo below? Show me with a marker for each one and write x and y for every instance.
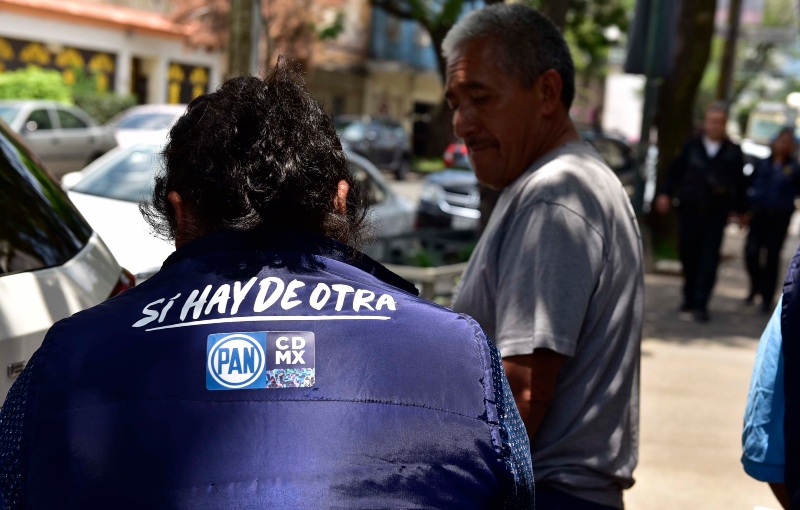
(549, 266)
(762, 438)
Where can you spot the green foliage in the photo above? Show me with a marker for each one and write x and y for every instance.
(333, 30)
(778, 13)
(424, 258)
(34, 83)
(101, 106)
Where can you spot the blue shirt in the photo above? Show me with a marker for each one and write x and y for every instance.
(775, 186)
(762, 438)
(264, 369)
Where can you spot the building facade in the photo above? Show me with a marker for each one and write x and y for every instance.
(125, 51)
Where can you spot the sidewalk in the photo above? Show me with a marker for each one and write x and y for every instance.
(695, 379)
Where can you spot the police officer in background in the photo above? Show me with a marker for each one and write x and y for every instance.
(708, 180)
(268, 363)
(775, 184)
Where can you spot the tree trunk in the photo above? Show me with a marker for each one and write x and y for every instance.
(725, 83)
(556, 10)
(695, 29)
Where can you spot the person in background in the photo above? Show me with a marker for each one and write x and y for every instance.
(269, 364)
(556, 280)
(763, 455)
(708, 181)
(775, 184)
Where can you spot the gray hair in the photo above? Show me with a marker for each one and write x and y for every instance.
(530, 44)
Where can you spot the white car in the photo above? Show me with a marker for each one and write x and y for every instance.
(51, 262)
(64, 137)
(147, 123)
(108, 193)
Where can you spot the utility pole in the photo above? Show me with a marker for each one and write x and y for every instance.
(245, 22)
(729, 55)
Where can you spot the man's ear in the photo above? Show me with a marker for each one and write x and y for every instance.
(340, 201)
(551, 85)
(182, 222)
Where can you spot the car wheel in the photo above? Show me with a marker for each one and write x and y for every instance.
(402, 171)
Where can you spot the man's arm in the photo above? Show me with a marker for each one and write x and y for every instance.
(551, 261)
(672, 181)
(533, 378)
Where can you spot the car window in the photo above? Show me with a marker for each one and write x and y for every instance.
(153, 120)
(39, 226)
(39, 120)
(375, 194)
(611, 152)
(8, 113)
(70, 121)
(353, 132)
(129, 177)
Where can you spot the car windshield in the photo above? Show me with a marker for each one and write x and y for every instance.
(8, 113)
(152, 120)
(129, 176)
(351, 131)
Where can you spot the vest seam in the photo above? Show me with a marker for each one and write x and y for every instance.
(339, 400)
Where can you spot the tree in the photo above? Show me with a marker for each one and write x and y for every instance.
(695, 29)
(290, 27)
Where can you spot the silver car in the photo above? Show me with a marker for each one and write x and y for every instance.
(107, 193)
(64, 137)
(51, 262)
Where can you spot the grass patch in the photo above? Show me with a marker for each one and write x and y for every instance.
(427, 166)
(665, 250)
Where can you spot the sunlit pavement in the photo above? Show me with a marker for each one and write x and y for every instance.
(694, 386)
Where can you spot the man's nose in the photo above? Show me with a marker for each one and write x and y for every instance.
(464, 123)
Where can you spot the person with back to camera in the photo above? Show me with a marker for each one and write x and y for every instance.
(268, 363)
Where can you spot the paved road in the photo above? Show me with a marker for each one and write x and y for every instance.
(693, 392)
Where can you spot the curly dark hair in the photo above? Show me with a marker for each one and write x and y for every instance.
(257, 152)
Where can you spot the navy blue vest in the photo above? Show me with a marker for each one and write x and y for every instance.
(790, 331)
(259, 370)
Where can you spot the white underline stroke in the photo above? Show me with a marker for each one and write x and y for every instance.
(277, 318)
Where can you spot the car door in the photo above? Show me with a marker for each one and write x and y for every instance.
(76, 139)
(40, 134)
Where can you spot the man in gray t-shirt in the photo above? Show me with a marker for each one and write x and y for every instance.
(556, 279)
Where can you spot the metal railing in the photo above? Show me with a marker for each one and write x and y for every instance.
(428, 278)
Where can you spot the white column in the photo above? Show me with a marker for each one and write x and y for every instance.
(157, 80)
(122, 78)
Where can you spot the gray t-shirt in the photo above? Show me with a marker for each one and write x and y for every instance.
(559, 267)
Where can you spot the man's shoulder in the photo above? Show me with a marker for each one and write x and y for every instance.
(577, 178)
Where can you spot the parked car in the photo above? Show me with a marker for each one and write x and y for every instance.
(51, 262)
(450, 198)
(148, 123)
(64, 137)
(108, 193)
(382, 140)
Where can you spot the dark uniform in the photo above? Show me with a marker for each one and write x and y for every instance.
(708, 189)
(790, 331)
(258, 370)
(774, 187)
